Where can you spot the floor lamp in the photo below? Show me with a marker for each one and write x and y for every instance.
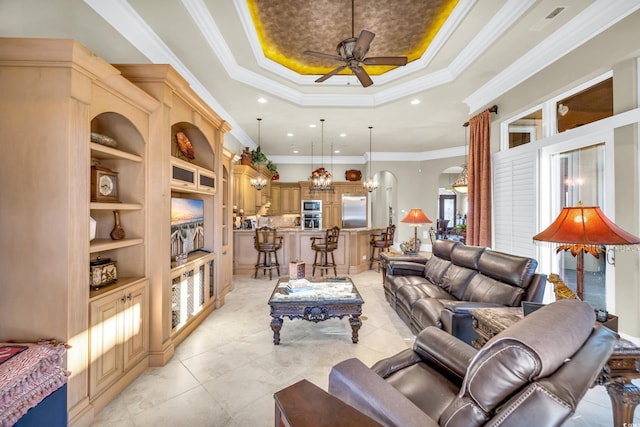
(584, 229)
(416, 217)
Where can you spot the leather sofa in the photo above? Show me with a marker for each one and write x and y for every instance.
(532, 373)
(456, 279)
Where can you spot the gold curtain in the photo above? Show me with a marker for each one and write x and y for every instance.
(479, 197)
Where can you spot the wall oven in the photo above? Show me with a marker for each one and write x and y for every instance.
(312, 221)
(312, 214)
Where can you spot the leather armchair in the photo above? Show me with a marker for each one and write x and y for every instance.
(533, 373)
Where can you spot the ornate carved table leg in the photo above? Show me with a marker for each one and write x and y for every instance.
(624, 396)
(355, 326)
(276, 325)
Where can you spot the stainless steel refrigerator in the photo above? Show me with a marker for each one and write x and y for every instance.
(354, 211)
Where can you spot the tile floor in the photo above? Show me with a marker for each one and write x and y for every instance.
(226, 372)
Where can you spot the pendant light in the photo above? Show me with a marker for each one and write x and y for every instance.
(320, 178)
(259, 182)
(370, 185)
(462, 182)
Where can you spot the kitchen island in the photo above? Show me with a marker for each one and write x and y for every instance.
(352, 255)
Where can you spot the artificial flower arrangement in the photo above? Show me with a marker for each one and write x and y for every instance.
(321, 172)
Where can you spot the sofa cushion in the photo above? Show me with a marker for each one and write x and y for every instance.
(512, 269)
(482, 288)
(393, 283)
(456, 279)
(435, 269)
(466, 256)
(426, 312)
(409, 382)
(442, 248)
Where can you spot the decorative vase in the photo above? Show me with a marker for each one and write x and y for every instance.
(245, 157)
(118, 232)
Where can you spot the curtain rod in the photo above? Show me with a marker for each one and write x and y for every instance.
(493, 109)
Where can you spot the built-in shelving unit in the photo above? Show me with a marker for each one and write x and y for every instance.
(55, 94)
(183, 293)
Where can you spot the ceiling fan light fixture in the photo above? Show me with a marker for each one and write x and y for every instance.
(345, 47)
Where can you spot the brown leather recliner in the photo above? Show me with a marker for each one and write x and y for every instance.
(533, 373)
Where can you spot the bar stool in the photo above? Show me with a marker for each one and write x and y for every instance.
(267, 243)
(381, 243)
(324, 247)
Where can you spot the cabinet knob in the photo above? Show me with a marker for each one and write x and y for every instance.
(129, 297)
(123, 299)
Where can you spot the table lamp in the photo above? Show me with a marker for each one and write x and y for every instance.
(416, 217)
(584, 229)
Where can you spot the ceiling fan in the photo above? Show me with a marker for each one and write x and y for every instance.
(352, 51)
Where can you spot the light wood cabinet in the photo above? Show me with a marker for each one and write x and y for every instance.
(175, 174)
(276, 200)
(192, 289)
(119, 334)
(290, 199)
(285, 198)
(331, 215)
(332, 200)
(55, 93)
(185, 177)
(245, 196)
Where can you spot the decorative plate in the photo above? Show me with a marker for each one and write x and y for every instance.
(103, 140)
(184, 145)
(352, 175)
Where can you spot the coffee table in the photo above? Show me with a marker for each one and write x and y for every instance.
(328, 297)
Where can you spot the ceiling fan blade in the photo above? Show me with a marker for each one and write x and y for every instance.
(331, 73)
(385, 60)
(362, 75)
(362, 44)
(323, 55)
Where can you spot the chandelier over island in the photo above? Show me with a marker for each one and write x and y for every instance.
(370, 184)
(320, 178)
(258, 182)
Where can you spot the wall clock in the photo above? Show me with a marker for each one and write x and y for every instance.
(104, 185)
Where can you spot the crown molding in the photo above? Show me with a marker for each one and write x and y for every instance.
(388, 156)
(125, 20)
(595, 19)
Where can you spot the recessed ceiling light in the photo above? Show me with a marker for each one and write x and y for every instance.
(415, 102)
(337, 151)
(262, 100)
(289, 134)
(343, 134)
(312, 125)
(295, 151)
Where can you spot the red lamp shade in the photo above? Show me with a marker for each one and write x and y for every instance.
(585, 225)
(416, 216)
(584, 229)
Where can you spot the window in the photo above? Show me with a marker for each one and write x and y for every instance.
(525, 129)
(578, 176)
(587, 106)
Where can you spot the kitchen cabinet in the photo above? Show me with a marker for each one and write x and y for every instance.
(290, 199)
(119, 334)
(285, 198)
(244, 195)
